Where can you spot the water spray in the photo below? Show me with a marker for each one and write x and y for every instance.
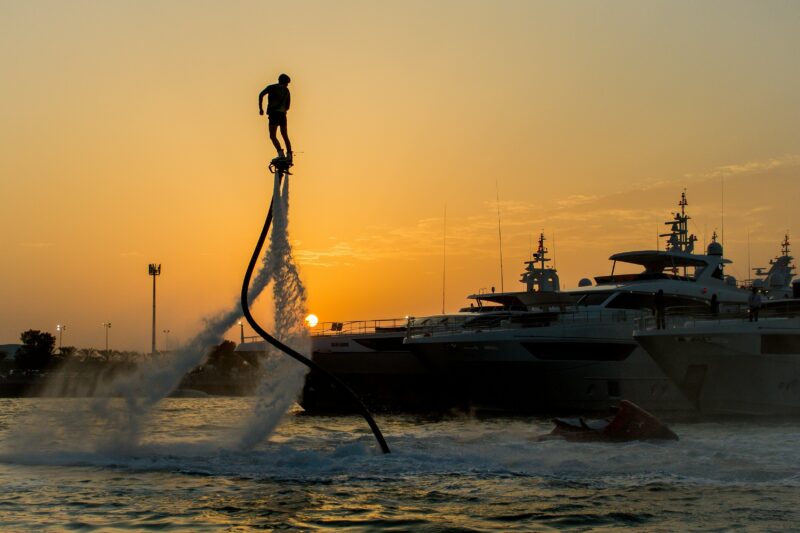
(281, 169)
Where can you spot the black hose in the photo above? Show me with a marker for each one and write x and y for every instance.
(343, 388)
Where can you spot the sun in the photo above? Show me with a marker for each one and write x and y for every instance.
(312, 320)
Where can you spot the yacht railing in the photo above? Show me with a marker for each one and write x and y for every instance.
(357, 327)
(443, 325)
(728, 313)
(681, 321)
(353, 327)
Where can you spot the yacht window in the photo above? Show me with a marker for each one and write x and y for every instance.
(632, 300)
(695, 272)
(629, 300)
(593, 299)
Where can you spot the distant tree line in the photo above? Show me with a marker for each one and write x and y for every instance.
(38, 354)
(223, 371)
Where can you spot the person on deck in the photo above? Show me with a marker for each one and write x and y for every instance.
(754, 304)
(659, 308)
(277, 105)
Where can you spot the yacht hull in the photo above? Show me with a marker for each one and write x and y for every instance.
(384, 374)
(558, 369)
(743, 368)
(393, 381)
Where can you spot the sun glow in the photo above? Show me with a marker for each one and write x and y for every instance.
(312, 320)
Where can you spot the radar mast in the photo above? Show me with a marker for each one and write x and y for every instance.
(679, 239)
(538, 277)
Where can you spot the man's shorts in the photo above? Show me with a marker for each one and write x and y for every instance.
(277, 119)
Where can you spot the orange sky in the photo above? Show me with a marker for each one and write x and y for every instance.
(130, 134)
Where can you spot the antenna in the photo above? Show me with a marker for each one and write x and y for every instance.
(722, 209)
(499, 232)
(444, 255)
(749, 270)
(554, 248)
(530, 252)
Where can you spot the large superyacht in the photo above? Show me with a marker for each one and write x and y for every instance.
(555, 351)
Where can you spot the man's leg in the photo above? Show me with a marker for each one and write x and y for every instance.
(273, 129)
(285, 135)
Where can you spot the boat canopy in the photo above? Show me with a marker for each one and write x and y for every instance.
(523, 300)
(658, 261)
(666, 265)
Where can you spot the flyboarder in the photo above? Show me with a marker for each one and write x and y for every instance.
(277, 106)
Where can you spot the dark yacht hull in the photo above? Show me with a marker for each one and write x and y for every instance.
(440, 377)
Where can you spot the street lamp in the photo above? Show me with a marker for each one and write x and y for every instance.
(154, 270)
(241, 331)
(107, 326)
(166, 339)
(60, 328)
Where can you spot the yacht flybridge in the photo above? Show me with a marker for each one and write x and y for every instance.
(667, 270)
(678, 262)
(551, 350)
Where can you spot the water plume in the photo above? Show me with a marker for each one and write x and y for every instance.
(282, 377)
(122, 401)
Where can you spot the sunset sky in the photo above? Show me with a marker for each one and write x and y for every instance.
(130, 134)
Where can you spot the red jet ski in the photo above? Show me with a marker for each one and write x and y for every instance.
(630, 423)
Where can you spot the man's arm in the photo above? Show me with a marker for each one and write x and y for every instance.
(261, 100)
(288, 99)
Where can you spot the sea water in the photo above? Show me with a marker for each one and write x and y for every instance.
(444, 473)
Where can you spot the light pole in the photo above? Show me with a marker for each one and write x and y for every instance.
(106, 326)
(166, 340)
(60, 328)
(241, 331)
(154, 270)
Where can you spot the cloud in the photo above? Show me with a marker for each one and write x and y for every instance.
(575, 200)
(579, 220)
(610, 216)
(724, 171)
(332, 256)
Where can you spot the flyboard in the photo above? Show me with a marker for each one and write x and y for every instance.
(279, 167)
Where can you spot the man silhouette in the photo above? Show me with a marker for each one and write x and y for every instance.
(277, 106)
(753, 305)
(659, 308)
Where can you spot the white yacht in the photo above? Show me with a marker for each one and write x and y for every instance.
(730, 365)
(776, 282)
(370, 357)
(550, 350)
